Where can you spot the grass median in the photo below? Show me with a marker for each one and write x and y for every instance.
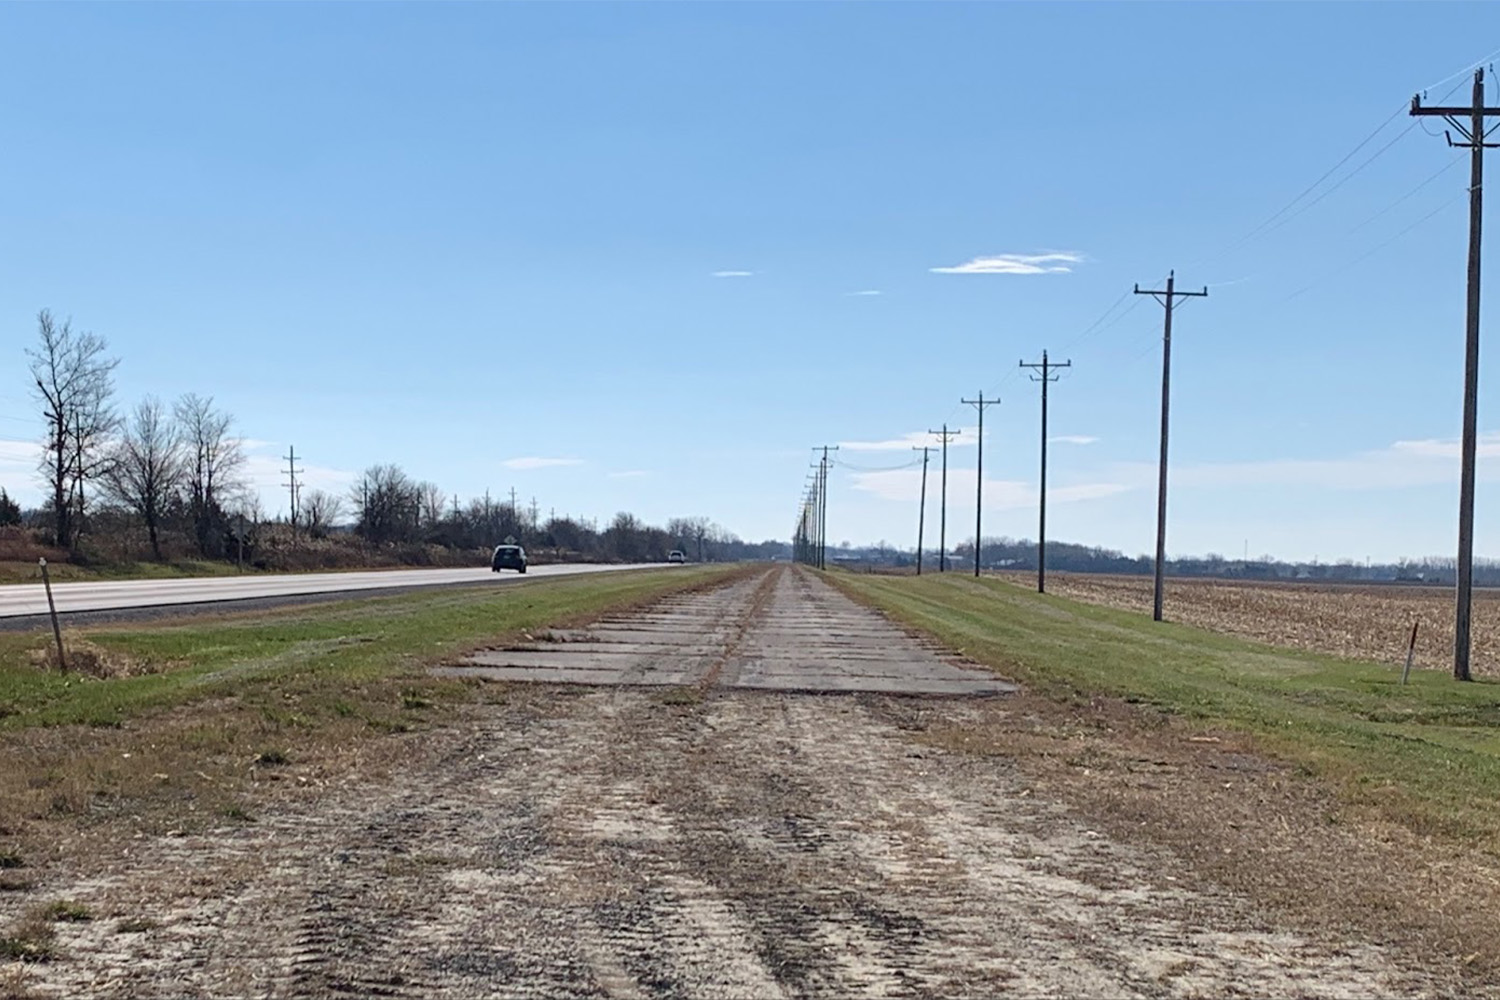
(169, 724)
(1425, 755)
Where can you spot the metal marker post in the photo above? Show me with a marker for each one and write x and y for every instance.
(1411, 651)
(62, 663)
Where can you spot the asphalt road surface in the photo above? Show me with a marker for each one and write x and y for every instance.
(30, 599)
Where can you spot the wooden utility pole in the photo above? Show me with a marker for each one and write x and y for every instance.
(291, 484)
(946, 435)
(823, 506)
(1041, 532)
(1474, 133)
(1168, 299)
(979, 404)
(922, 507)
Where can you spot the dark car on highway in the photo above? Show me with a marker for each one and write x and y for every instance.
(508, 557)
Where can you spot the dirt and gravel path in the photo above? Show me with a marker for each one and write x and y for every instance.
(628, 841)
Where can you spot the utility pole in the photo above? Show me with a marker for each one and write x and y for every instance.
(812, 505)
(1041, 531)
(922, 507)
(823, 506)
(291, 484)
(945, 434)
(1474, 134)
(1168, 299)
(806, 526)
(515, 518)
(979, 404)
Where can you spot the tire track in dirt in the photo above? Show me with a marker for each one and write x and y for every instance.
(613, 842)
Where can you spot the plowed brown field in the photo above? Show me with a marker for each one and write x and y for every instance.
(1363, 622)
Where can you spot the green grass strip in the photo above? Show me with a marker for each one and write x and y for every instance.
(1426, 754)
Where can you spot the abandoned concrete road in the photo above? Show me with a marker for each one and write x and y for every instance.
(734, 837)
(783, 631)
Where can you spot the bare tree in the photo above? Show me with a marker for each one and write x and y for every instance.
(431, 500)
(214, 467)
(697, 530)
(387, 503)
(146, 467)
(623, 538)
(73, 380)
(319, 512)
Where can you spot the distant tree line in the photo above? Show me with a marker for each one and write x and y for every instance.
(1021, 554)
(175, 475)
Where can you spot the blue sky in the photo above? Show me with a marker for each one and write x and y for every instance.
(481, 241)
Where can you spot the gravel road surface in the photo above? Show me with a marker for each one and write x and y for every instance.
(625, 840)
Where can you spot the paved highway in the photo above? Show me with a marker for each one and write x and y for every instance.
(23, 600)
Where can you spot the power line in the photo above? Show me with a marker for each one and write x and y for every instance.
(1281, 217)
(1450, 165)
(1461, 73)
(875, 468)
(1373, 250)
(1343, 180)
(1272, 219)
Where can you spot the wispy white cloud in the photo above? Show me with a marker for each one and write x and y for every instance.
(18, 462)
(1051, 262)
(628, 474)
(867, 291)
(1423, 462)
(999, 494)
(532, 462)
(733, 274)
(913, 439)
(1073, 439)
(20, 453)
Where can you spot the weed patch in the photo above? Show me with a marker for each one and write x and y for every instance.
(66, 911)
(30, 939)
(136, 925)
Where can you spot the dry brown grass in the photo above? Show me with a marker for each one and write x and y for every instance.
(88, 658)
(1261, 827)
(1358, 622)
